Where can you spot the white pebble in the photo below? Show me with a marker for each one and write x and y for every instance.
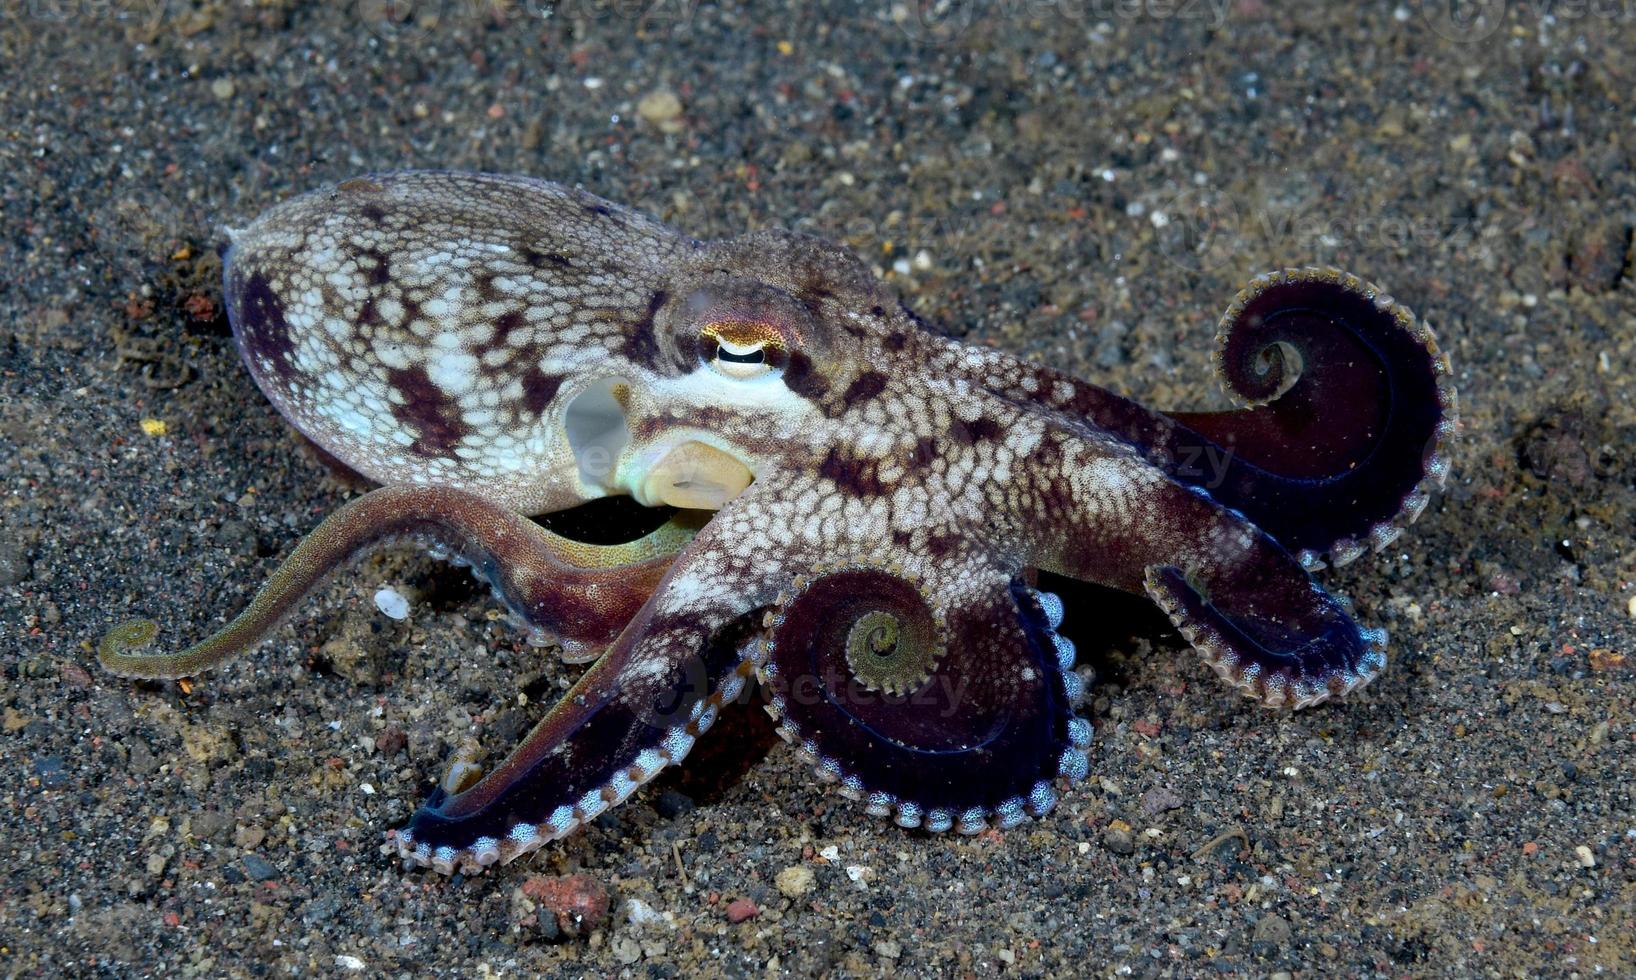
(392, 603)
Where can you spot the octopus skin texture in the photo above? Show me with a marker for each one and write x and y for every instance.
(853, 503)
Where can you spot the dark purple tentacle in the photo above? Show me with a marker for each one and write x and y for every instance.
(1351, 404)
(638, 709)
(937, 718)
(1245, 603)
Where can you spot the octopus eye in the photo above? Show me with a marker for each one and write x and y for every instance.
(742, 350)
(736, 361)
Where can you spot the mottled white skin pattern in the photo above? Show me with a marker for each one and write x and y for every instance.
(439, 329)
(322, 261)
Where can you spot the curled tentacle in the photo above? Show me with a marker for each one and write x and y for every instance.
(578, 594)
(638, 709)
(1350, 405)
(940, 716)
(1350, 409)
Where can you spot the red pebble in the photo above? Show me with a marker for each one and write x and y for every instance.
(579, 902)
(740, 909)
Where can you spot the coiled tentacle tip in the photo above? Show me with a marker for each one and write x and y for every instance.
(118, 651)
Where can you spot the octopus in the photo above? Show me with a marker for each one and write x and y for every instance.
(845, 506)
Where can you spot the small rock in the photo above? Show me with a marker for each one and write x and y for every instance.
(14, 564)
(1585, 857)
(1118, 840)
(642, 915)
(73, 675)
(741, 909)
(14, 721)
(578, 902)
(391, 741)
(888, 950)
(662, 108)
(1271, 929)
(258, 868)
(48, 769)
(249, 837)
(392, 603)
(626, 951)
(223, 88)
(212, 825)
(142, 762)
(672, 804)
(795, 881)
(1160, 799)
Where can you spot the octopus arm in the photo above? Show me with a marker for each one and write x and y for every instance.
(1349, 406)
(945, 707)
(1245, 603)
(639, 708)
(576, 594)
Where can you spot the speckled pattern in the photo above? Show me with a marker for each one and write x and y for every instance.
(1077, 187)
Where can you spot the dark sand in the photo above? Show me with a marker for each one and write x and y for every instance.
(1470, 813)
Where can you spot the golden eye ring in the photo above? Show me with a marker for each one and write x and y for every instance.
(742, 349)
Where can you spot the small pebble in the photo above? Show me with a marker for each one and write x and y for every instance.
(626, 951)
(391, 603)
(259, 868)
(391, 741)
(1118, 840)
(662, 108)
(578, 902)
(223, 88)
(1585, 857)
(14, 566)
(741, 909)
(1271, 929)
(642, 915)
(795, 881)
